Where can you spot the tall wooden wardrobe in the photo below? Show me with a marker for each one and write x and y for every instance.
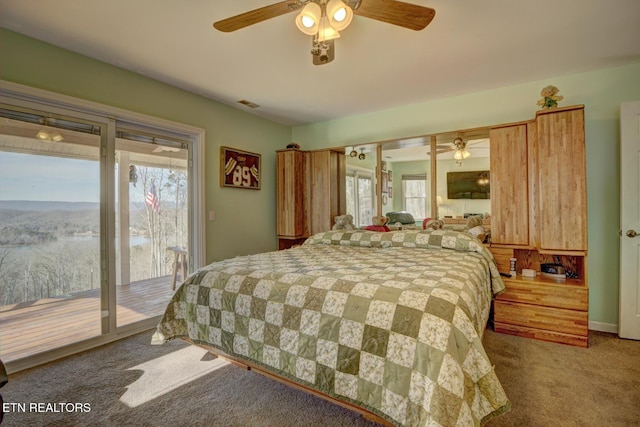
(539, 216)
(310, 189)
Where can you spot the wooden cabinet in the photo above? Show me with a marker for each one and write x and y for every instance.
(291, 167)
(327, 189)
(541, 307)
(310, 192)
(509, 184)
(539, 212)
(562, 207)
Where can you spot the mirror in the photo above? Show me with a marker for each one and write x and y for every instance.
(360, 185)
(406, 181)
(463, 172)
(414, 183)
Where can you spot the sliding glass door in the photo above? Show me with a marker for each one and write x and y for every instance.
(51, 277)
(97, 218)
(152, 218)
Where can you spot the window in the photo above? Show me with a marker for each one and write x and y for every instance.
(360, 195)
(414, 195)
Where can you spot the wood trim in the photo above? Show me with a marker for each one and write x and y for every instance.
(552, 336)
(379, 180)
(560, 109)
(567, 253)
(434, 185)
(507, 246)
(506, 125)
(250, 366)
(533, 163)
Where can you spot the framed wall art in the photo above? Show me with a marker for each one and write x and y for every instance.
(240, 169)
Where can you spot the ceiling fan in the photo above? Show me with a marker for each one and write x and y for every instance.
(459, 147)
(324, 19)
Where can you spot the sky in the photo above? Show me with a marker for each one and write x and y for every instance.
(46, 178)
(53, 179)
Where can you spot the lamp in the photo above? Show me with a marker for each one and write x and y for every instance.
(46, 136)
(340, 15)
(461, 149)
(353, 152)
(324, 21)
(483, 179)
(308, 20)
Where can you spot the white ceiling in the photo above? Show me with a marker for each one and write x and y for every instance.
(471, 45)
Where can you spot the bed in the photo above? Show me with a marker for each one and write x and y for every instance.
(389, 324)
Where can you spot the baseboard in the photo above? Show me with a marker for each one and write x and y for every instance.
(603, 327)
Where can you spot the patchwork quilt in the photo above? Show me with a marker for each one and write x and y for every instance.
(391, 322)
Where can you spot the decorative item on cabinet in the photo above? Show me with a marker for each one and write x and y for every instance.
(550, 97)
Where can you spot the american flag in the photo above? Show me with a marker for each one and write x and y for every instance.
(152, 199)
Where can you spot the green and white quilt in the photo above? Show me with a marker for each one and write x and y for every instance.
(392, 322)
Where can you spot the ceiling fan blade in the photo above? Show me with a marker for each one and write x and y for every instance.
(254, 16)
(441, 151)
(399, 13)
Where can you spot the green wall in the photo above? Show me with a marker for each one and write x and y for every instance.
(245, 219)
(600, 91)
(238, 230)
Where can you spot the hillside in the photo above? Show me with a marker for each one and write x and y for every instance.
(28, 222)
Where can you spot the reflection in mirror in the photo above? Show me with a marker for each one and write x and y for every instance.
(360, 183)
(406, 172)
(413, 187)
(463, 175)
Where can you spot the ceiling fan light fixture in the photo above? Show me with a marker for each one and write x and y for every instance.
(308, 20)
(326, 31)
(461, 149)
(461, 154)
(340, 15)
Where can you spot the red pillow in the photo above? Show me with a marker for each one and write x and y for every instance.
(424, 223)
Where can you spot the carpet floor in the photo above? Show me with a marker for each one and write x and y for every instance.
(132, 383)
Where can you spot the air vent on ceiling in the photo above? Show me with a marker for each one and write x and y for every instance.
(248, 103)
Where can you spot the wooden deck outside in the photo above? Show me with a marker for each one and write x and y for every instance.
(35, 326)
